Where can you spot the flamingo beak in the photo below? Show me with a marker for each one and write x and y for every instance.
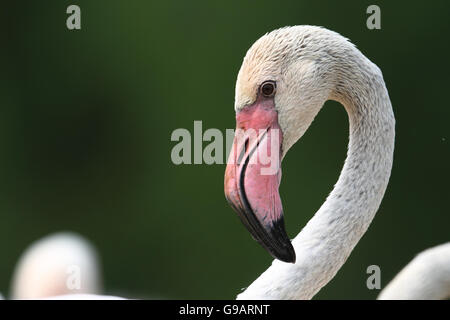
(253, 175)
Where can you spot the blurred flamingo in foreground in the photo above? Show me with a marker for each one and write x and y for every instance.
(58, 264)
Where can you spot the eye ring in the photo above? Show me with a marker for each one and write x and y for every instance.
(268, 88)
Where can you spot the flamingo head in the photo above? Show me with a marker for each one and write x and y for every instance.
(280, 88)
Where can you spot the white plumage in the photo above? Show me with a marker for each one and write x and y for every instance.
(312, 65)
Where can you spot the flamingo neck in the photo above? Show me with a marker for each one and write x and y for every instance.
(325, 243)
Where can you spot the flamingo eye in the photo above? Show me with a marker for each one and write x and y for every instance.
(268, 89)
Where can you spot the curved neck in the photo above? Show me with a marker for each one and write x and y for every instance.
(327, 240)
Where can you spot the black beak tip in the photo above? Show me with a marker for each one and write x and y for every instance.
(279, 245)
(271, 235)
(287, 255)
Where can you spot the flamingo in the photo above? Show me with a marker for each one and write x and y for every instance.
(427, 276)
(285, 78)
(46, 267)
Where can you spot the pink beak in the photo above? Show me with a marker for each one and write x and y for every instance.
(253, 174)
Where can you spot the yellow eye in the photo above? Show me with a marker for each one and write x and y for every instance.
(268, 88)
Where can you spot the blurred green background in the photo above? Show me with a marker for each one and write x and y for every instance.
(86, 118)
